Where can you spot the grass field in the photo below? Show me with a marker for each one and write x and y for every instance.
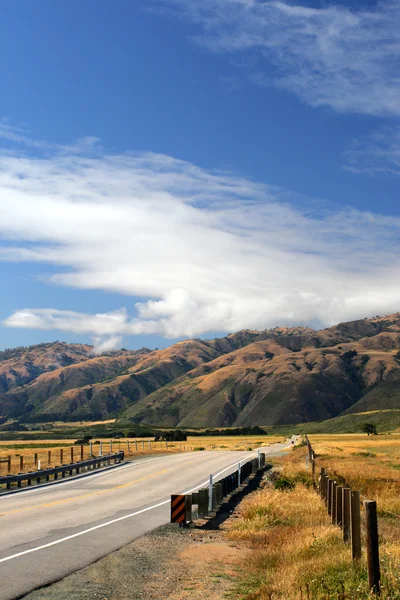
(296, 552)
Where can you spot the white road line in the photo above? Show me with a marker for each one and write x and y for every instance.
(134, 514)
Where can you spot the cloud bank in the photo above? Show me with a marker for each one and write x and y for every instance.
(343, 57)
(202, 250)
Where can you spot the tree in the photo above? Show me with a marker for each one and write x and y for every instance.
(369, 428)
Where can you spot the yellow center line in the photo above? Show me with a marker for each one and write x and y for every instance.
(58, 502)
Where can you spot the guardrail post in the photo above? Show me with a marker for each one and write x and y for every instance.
(214, 498)
(188, 508)
(210, 494)
(371, 529)
(203, 502)
(355, 525)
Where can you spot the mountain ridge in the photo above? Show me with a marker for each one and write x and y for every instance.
(269, 377)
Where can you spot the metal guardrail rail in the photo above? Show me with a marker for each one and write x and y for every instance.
(38, 476)
(209, 499)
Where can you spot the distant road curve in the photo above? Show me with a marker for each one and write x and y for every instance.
(51, 531)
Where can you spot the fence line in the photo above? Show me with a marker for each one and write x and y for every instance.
(343, 505)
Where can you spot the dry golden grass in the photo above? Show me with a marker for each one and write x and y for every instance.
(368, 464)
(297, 552)
(234, 442)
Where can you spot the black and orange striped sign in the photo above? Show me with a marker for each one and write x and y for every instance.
(178, 508)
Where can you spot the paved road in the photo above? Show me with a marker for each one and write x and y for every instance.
(49, 532)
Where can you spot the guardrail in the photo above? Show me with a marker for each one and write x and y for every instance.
(209, 499)
(63, 470)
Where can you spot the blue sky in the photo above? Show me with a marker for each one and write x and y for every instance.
(181, 168)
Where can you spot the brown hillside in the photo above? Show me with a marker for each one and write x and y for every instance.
(283, 375)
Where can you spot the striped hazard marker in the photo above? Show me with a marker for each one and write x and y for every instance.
(178, 512)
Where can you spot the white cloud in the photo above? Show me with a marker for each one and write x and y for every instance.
(102, 345)
(204, 250)
(338, 56)
(376, 153)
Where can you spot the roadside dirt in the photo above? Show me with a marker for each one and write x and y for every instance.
(169, 563)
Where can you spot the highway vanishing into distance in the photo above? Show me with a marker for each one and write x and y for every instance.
(51, 531)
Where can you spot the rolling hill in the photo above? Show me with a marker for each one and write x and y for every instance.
(270, 377)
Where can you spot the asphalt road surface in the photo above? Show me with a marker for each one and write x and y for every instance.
(51, 531)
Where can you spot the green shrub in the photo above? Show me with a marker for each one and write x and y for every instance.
(283, 484)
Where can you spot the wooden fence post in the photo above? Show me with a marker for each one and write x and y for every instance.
(21, 463)
(61, 455)
(72, 454)
(329, 498)
(81, 452)
(313, 468)
(333, 503)
(49, 457)
(355, 525)
(9, 463)
(339, 506)
(346, 513)
(371, 530)
(36, 458)
(321, 480)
